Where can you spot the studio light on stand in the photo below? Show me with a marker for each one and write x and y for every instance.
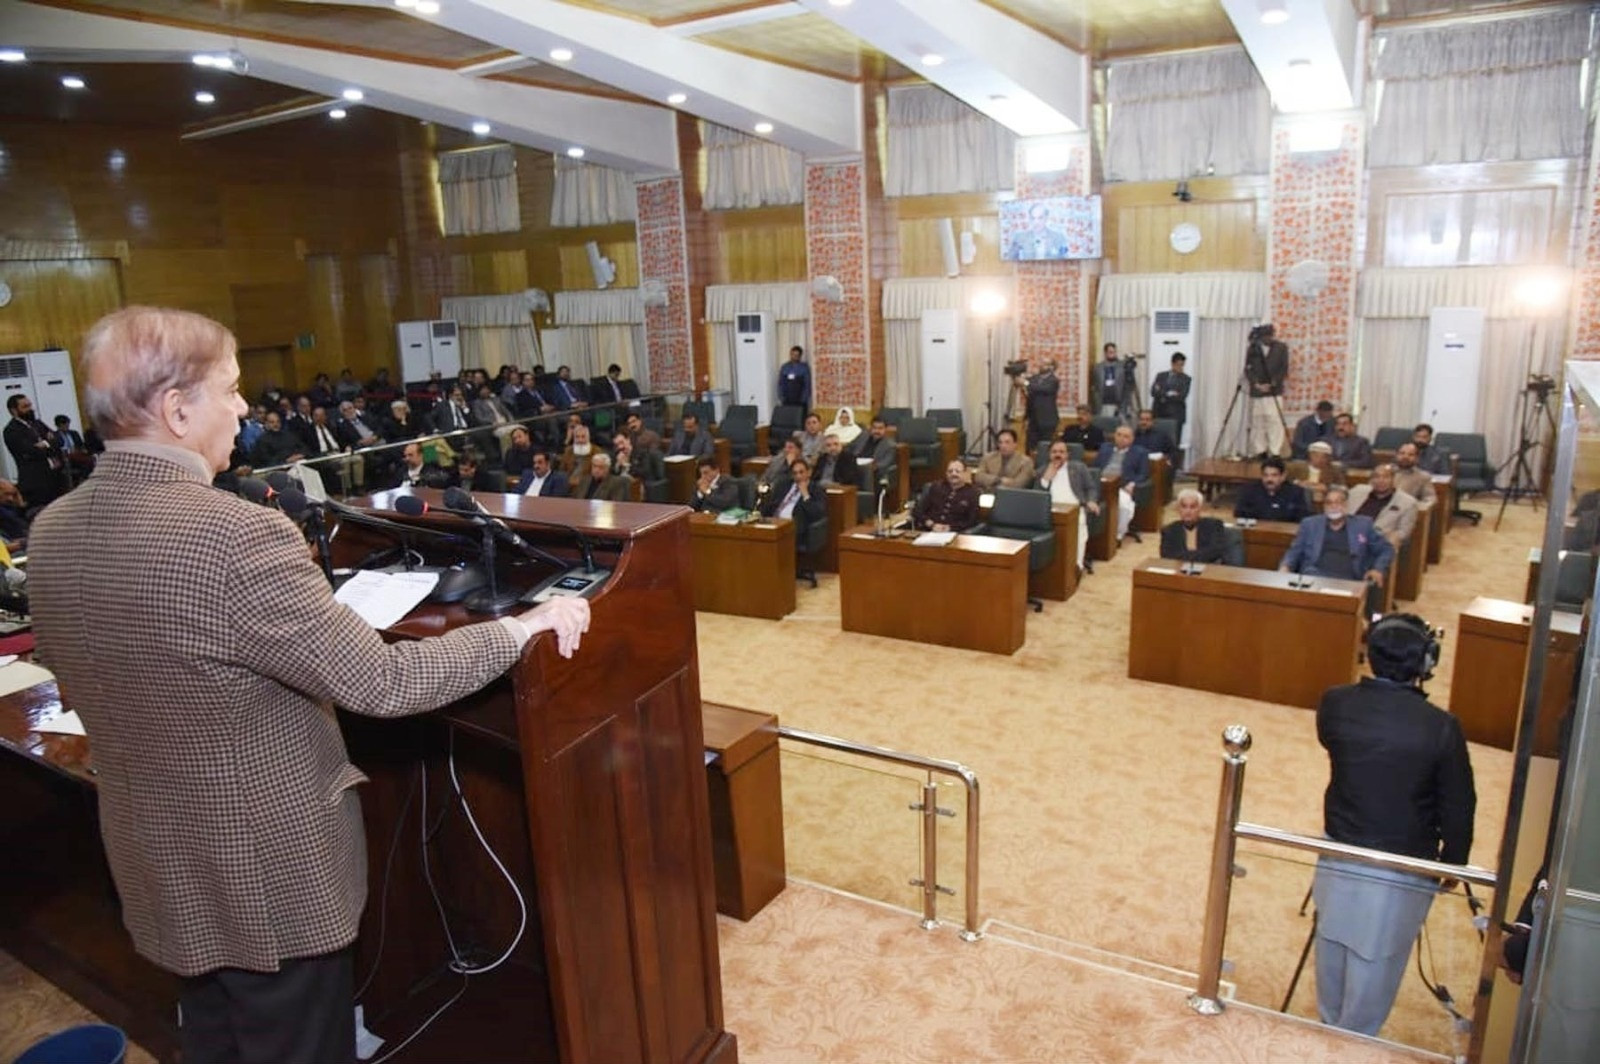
(1537, 294)
(988, 305)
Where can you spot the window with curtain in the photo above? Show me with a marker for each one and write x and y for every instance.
(937, 144)
(495, 330)
(1511, 88)
(1473, 227)
(591, 195)
(596, 329)
(1180, 116)
(478, 190)
(744, 171)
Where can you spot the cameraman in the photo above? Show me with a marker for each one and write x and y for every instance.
(1043, 389)
(1266, 365)
(1401, 782)
(1109, 384)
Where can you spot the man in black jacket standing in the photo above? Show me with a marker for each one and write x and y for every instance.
(1400, 782)
(1169, 396)
(1043, 388)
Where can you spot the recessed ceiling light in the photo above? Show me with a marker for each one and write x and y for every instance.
(839, 3)
(13, 55)
(677, 98)
(763, 127)
(337, 113)
(353, 95)
(117, 160)
(405, 3)
(204, 97)
(72, 81)
(575, 152)
(932, 59)
(427, 7)
(1273, 12)
(481, 128)
(202, 59)
(561, 55)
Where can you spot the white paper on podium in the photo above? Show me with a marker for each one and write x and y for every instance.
(934, 539)
(382, 599)
(68, 723)
(21, 675)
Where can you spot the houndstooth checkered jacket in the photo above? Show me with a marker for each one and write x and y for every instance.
(203, 648)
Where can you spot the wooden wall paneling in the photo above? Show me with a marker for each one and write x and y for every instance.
(263, 367)
(55, 301)
(759, 246)
(325, 321)
(270, 315)
(379, 293)
(1231, 212)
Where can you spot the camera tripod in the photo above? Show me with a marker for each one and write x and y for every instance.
(1132, 397)
(1536, 421)
(1242, 391)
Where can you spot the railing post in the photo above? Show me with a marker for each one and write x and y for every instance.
(930, 854)
(972, 933)
(1235, 745)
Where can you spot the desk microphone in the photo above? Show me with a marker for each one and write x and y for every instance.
(297, 506)
(460, 503)
(1299, 580)
(258, 491)
(883, 492)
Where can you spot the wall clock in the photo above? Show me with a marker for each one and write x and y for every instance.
(1185, 238)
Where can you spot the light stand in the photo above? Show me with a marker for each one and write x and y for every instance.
(1536, 423)
(988, 306)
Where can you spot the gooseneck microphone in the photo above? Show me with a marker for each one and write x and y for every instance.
(294, 503)
(459, 501)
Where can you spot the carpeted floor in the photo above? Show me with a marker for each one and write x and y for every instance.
(1099, 792)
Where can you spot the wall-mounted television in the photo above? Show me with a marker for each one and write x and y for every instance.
(1064, 227)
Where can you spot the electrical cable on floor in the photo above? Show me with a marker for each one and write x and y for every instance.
(383, 895)
(440, 1011)
(522, 905)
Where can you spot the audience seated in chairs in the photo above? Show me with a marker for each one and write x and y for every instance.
(402, 424)
(14, 517)
(1342, 545)
(1392, 510)
(1410, 477)
(599, 483)
(641, 438)
(644, 465)
(712, 491)
(1127, 460)
(541, 478)
(1192, 538)
(844, 426)
(1431, 458)
(277, 445)
(1070, 482)
(1006, 467)
(833, 466)
(1319, 468)
(1315, 426)
(691, 439)
(1084, 432)
(1349, 449)
(811, 438)
(416, 473)
(948, 505)
(800, 503)
(1273, 497)
(873, 451)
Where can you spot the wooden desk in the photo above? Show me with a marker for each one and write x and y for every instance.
(745, 569)
(1266, 542)
(1444, 487)
(1491, 662)
(746, 789)
(681, 476)
(842, 514)
(1147, 517)
(1218, 474)
(1411, 558)
(1103, 545)
(1058, 580)
(1244, 632)
(972, 593)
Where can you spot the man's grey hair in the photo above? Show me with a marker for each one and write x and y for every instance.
(1188, 494)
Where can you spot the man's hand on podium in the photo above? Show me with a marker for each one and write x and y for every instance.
(568, 618)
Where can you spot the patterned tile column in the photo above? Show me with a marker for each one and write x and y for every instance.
(1316, 217)
(664, 257)
(1585, 329)
(1053, 297)
(836, 246)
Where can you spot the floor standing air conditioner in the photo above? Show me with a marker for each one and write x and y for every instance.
(755, 360)
(45, 377)
(1450, 376)
(1173, 331)
(942, 367)
(426, 346)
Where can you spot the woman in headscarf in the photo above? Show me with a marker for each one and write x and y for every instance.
(844, 426)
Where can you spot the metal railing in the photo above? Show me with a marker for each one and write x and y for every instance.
(1235, 746)
(929, 808)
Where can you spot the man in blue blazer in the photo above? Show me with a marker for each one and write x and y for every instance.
(1125, 459)
(542, 479)
(1342, 545)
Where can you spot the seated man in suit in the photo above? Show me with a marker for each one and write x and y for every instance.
(641, 438)
(1392, 510)
(469, 473)
(416, 473)
(713, 491)
(541, 478)
(1127, 460)
(1084, 432)
(949, 505)
(1152, 439)
(575, 459)
(643, 464)
(1004, 468)
(1339, 544)
(799, 501)
(811, 438)
(453, 415)
(566, 393)
(599, 483)
(277, 445)
(691, 440)
(1430, 458)
(402, 423)
(1273, 497)
(776, 476)
(873, 452)
(833, 465)
(1410, 477)
(1070, 482)
(1349, 448)
(1319, 468)
(1192, 538)
(1315, 426)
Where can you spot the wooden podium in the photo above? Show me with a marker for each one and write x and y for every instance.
(586, 776)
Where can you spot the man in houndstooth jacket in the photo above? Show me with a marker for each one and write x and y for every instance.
(204, 651)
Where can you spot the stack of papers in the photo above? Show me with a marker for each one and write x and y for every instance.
(934, 539)
(382, 599)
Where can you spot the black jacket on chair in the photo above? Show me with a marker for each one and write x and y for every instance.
(1211, 542)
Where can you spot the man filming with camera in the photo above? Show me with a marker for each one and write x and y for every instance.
(1401, 782)
(1042, 389)
(1266, 365)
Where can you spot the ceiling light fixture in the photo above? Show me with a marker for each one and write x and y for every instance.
(932, 59)
(561, 55)
(353, 95)
(481, 128)
(405, 3)
(337, 113)
(575, 152)
(678, 97)
(839, 3)
(202, 59)
(1273, 12)
(204, 97)
(72, 81)
(763, 127)
(13, 55)
(427, 7)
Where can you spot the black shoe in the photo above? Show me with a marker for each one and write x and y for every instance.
(1088, 567)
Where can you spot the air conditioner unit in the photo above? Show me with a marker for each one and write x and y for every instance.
(942, 367)
(755, 361)
(603, 269)
(1450, 375)
(1173, 331)
(426, 346)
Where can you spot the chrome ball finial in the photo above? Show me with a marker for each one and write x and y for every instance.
(1235, 740)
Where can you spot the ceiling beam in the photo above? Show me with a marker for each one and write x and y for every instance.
(636, 137)
(1027, 82)
(1310, 59)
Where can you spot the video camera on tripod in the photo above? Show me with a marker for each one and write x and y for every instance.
(1541, 385)
(1016, 369)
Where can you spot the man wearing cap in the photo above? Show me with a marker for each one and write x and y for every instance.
(1311, 428)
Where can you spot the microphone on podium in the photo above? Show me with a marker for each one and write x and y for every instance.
(258, 491)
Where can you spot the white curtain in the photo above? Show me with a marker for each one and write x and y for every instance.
(937, 144)
(591, 195)
(595, 329)
(789, 303)
(478, 187)
(1469, 227)
(904, 300)
(495, 330)
(1186, 115)
(745, 171)
(1510, 88)
(1393, 307)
